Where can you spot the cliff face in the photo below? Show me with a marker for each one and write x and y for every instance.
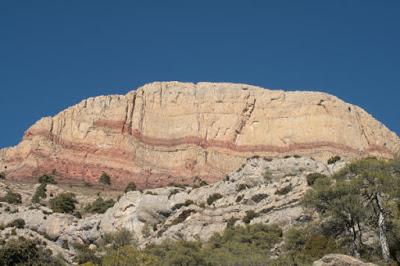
(172, 132)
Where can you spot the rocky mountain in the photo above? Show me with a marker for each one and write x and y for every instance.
(171, 132)
(261, 191)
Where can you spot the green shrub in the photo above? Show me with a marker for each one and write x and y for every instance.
(284, 190)
(17, 223)
(26, 252)
(183, 253)
(239, 198)
(182, 216)
(99, 205)
(306, 245)
(231, 222)
(85, 255)
(40, 193)
(128, 255)
(119, 238)
(64, 203)
(334, 159)
(259, 197)
(311, 178)
(12, 198)
(46, 179)
(105, 179)
(250, 215)
(130, 187)
(212, 198)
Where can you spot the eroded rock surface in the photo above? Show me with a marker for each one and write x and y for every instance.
(340, 260)
(169, 132)
(261, 191)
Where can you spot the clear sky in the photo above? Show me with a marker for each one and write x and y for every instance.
(55, 53)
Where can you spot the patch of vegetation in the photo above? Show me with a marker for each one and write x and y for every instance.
(259, 197)
(119, 239)
(173, 184)
(311, 178)
(46, 179)
(182, 216)
(334, 159)
(180, 205)
(362, 197)
(250, 215)
(267, 175)
(12, 198)
(17, 223)
(128, 255)
(2, 176)
(285, 190)
(131, 186)
(85, 255)
(64, 203)
(213, 198)
(231, 222)
(26, 252)
(99, 205)
(239, 198)
(105, 179)
(40, 193)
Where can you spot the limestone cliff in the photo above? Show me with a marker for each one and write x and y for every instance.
(169, 132)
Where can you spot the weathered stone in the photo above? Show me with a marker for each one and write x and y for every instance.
(169, 132)
(340, 260)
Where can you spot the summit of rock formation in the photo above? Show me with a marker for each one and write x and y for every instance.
(172, 132)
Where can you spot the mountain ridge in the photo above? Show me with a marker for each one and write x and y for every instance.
(166, 132)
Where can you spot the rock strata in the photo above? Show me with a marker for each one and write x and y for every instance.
(167, 132)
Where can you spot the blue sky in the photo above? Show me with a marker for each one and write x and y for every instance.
(55, 53)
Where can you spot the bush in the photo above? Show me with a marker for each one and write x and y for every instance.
(99, 205)
(12, 198)
(47, 179)
(26, 252)
(284, 190)
(182, 217)
(259, 197)
(105, 179)
(130, 187)
(212, 198)
(17, 223)
(334, 159)
(2, 175)
(40, 193)
(311, 178)
(64, 203)
(118, 239)
(128, 255)
(231, 222)
(307, 245)
(250, 215)
(85, 255)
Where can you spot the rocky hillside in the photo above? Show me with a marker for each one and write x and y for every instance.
(172, 132)
(261, 191)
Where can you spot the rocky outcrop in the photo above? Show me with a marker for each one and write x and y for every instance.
(340, 260)
(169, 132)
(261, 191)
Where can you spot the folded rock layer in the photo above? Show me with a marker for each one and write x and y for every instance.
(167, 132)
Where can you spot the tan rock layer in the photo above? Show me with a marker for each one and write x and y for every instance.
(171, 132)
